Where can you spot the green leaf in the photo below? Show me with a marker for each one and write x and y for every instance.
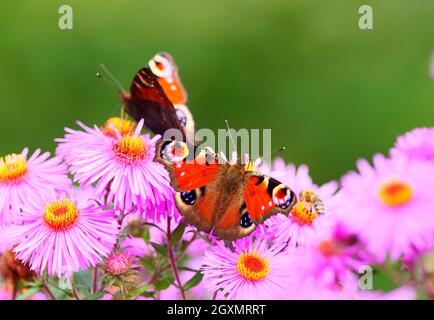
(184, 246)
(146, 235)
(149, 294)
(183, 260)
(194, 281)
(83, 278)
(31, 284)
(139, 291)
(149, 264)
(95, 296)
(159, 248)
(177, 234)
(163, 283)
(29, 292)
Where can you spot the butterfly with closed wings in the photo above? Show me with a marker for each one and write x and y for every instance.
(158, 97)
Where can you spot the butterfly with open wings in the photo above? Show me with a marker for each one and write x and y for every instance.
(224, 199)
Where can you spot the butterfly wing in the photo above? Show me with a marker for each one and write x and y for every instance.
(266, 196)
(148, 101)
(233, 221)
(164, 67)
(250, 203)
(196, 181)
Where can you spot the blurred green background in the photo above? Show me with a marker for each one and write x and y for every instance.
(331, 92)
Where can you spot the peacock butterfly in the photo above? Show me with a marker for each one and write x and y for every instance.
(158, 97)
(224, 199)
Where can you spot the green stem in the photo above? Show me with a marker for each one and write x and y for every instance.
(95, 280)
(177, 258)
(173, 262)
(47, 289)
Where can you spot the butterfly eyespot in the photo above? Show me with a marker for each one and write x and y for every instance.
(159, 65)
(162, 66)
(285, 204)
(189, 197)
(174, 151)
(283, 197)
(245, 220)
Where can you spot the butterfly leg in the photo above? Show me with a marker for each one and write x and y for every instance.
(229, 244)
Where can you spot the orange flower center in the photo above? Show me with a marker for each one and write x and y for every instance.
(252, 267)
(302, 214)
(130, 149)
(327, 248)
(61, 215)
(123, 126)
(13, 168)
(395, 193)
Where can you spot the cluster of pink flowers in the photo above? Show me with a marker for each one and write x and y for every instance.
(102, 207)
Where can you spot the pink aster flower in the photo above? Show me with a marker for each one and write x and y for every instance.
(64, 232)
(21, 177)
(123, 169)
(75, 140)
(305, 225)
(417, 144)
(389, 205)
(252, 271)
(327, 267)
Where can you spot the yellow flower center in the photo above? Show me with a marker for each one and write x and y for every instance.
(130, 149)
(302, 214)
(13, 168)
(252, 267)
(123, 126)
(395, 193)
(61, 215)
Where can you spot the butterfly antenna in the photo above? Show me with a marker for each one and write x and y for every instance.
(113, 79)
(274, 151)
(100, 76)
(230, 135)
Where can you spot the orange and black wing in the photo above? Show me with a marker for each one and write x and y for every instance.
(265, 196)
(196, 181)
(148, 101)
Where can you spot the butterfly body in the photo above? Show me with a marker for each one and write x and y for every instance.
(211, 202)
(224, 199)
